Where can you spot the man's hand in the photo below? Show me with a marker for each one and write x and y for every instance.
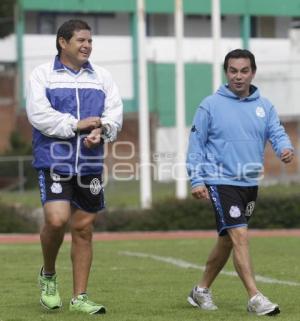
(93, 139)
(200, 192)
(287, 156)
(89, 123)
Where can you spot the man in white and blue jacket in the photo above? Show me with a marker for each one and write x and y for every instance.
(225, 163)
(74, 107)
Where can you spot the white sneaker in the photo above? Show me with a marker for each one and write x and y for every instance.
(201, 298)
(261, 305)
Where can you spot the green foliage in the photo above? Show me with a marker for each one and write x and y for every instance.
(276, 207)
(170, 214)
(270, 212)
(6, 17)
(13, 220)
(18, 145)
(277, 211)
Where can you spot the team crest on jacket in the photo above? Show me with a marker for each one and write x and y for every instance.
(234, 211)
(95, 186)
(260, 112)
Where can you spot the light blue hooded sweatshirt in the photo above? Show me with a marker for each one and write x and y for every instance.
(228, 138)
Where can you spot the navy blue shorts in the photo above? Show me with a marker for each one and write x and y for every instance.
(83, 192)
(233, 205)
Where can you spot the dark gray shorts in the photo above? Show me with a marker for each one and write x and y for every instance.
(83, 192)
(233, 205)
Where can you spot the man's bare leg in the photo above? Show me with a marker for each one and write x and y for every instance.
(81, 250)
(241, 258)
(216, 261)
(57, 214)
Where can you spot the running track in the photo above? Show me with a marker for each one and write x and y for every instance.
(110, 236)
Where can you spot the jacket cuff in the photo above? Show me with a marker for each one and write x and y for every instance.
(74, 125)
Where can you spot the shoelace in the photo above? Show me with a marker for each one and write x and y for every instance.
(262, 299)
(50, 287)
(207, 296)
(84, 299)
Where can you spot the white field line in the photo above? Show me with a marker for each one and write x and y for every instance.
(186, 265)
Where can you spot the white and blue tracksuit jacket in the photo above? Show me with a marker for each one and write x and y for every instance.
(228, 137)
(57, 99)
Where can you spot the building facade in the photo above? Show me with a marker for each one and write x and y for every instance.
(269, 28)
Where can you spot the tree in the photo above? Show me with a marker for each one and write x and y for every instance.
(6, 17)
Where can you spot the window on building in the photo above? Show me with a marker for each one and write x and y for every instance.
(159, 25)
(47, 23)
(267, 27)
(107, 23)
(62, 17)
(263, 27)
(201, 26)
(253, 27)
(295, 23)
(196, 25)
(112, 24)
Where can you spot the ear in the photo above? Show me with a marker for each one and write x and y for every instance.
(62, 42)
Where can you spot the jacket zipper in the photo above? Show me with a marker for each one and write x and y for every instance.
(78, 132)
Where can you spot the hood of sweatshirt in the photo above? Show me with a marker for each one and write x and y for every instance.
(225, 91)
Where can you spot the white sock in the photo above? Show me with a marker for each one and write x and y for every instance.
(198, 289)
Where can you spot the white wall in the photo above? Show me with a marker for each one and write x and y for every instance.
(8, 51)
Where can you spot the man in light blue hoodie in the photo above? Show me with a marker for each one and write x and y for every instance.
(225, 163)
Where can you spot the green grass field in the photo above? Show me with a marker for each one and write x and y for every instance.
(143, 288)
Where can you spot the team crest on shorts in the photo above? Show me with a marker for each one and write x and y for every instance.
(234, 211)
(95, 186)
(56, 188)
(250, 208)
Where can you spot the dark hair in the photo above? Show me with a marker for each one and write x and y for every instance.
(66, 30)
(240, 53)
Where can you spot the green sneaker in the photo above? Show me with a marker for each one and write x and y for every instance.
(50, 298)
(82, 304)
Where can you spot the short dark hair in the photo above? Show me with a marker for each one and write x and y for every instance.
(240, 53)
(66, 30)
